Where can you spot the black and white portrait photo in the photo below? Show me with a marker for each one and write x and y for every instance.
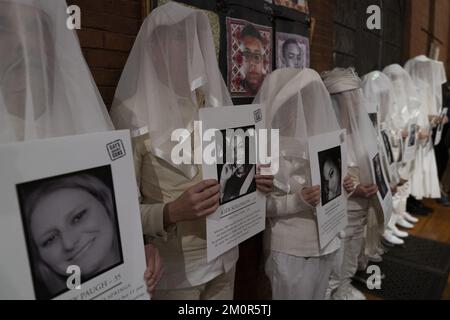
(388, 147)
(330, 162)
(379, 178)
(236, 174)
(292, 51)
(70, 220)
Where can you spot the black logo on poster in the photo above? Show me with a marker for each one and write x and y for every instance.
(116, 150)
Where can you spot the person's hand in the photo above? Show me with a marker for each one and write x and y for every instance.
(434, 119)
(264, 183)
(195, 203)
(365, 191)
(154, 270)
(311, 195)
(349, 185)
(404, 133)
(424, 135)
(394, 188)
(445, 120)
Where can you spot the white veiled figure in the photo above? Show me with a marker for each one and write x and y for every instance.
(171, 72)
(46, 89)
(378, 89)
(406, 94)
(349, 104)
(428, 76)
(407, 98)
(288, 97)
(297, 104)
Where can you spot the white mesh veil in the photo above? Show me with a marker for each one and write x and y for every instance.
(378, 89)
(428, 76)
(46, 89)
(348, 101)
(405, 92)
(171, 72)
(296, 103)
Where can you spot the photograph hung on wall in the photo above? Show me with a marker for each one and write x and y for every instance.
(300, 5)
(249, 56)
(292, 51)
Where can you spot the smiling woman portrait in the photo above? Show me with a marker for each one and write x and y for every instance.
(70, 220)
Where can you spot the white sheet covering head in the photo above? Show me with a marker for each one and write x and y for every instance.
(405, 91)
(378, 89)
(296, 103)
(428, 75)
(46, 89)
(349, 104)
(172, 71)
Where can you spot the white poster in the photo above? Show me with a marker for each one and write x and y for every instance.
(70, 225)
(328, 160)
(241, 214)
(440, 128)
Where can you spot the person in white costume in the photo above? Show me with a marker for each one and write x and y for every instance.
(298, 105)
(46, 88)
(408, 102)
(378, 90)
(171, 72)
(428, 75)
(349, 104)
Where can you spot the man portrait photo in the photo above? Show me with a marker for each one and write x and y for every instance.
(237, 173)
(292, 51)
(249, 57)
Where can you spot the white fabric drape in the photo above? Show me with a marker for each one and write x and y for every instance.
(405, 91)
(296, 103)
(349, 104)
(428, 76)
(46, 89)
(171, 72)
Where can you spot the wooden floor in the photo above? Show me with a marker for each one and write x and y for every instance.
(436, 227)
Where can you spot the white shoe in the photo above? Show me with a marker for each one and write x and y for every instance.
(398, 233)
(408, 217)
(348, 293)
(392, 239)
(401, 222)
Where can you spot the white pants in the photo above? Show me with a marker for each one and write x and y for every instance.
(346, 262)
(296, 278)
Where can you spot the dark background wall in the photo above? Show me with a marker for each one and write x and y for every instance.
(109, 28)
(340, 38)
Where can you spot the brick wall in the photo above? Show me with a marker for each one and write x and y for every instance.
(108, 31)
(442, 29)
(322, 43)
(420, 18)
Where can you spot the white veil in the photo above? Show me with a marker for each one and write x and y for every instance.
(378, 89)
(46, 88)
(428, 76)
(296, 103)
(405, 92)
(349, 104)
(171, 72)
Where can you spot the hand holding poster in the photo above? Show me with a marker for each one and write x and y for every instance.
(440, 128)
(70, 223)
(241, 214)
(328, 159)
